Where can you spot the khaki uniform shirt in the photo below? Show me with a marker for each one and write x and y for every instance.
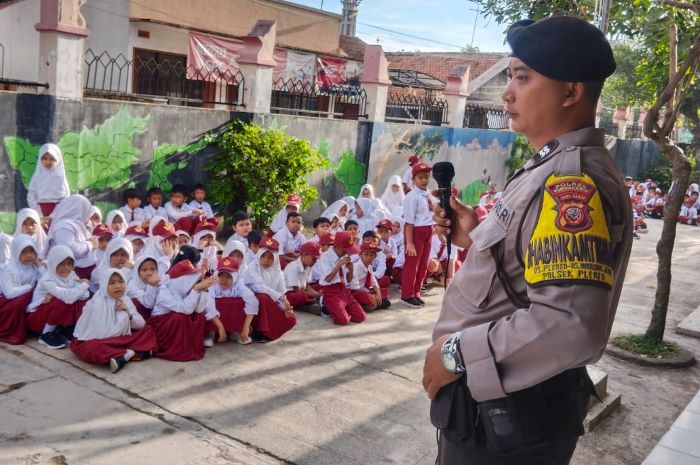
(538, 290)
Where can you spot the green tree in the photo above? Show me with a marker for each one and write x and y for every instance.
(669, 30)
(257, 168)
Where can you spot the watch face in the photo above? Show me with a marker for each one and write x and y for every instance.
(449, 362)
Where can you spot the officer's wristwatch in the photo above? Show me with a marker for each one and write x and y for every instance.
(451, 355)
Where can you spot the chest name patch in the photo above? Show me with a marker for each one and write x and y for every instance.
(571, 242)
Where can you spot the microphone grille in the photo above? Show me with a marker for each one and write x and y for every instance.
(444, 168)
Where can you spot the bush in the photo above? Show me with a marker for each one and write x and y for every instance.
(257, 168)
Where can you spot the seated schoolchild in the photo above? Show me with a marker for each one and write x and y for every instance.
(183, 237)
(110, 330)
(235, 302)
(28, 223)
(379, 264)
(292, 206)
(161, 244)
(297, 276)
(264, 277)
(241, 227)
(133, 213)
(354, 229)
(154, 197)
(137, 235)
(237, 251)
(95, 217)
(254, 239)
(336, 271)
(290, 239)
(364, 286)
(117, 221)
(143, 285)
(58, 299)
(321, 225)
(397, 236)
(204, 239)
(17, 281)
(102, 234)
(387, 244)
(69, 228)
(325, 242)
(178, 316)
(199, 204)
(119, 255)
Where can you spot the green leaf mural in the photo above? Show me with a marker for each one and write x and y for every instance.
(350, 172)
(7, 222)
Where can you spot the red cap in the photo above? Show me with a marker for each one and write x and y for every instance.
(293, 199)
(186, 224)
(386, 224)
(102, 230)
(164, 229)
(413, 159)
(228, 264)
(371, 245)
(344, 239)
(311, 248)
(136, 230)
(182, 268)
(326, 239)
(270, 244)
(205, 225)
(421, 167)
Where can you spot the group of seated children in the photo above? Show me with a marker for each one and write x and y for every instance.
(152, 282)
(649, 201)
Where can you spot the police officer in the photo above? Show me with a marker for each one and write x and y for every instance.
(535, 299)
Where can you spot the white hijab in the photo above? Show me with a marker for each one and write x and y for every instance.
(232, 245)
(40, 239)
(334, 209)
(118, 243)
(271, 277)
(370, 188)
(137, 287)
(393, 200)
(50, 184)
(23, 274)
(350, 202)
(95, 209)
(56, 255)
(110, 217)
(72, 213)
(100, 318)
(5, 249)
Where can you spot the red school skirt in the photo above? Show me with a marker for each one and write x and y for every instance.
(143, 311)
(271, 320)
(13, 318)
(232, 310)
(99, 351)
(47, 208)
(180, 337)
(84, 273)
(57, 313)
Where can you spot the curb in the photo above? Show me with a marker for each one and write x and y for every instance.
(684, 358)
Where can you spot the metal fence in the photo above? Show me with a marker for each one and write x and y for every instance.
(485, 117)
(609, 127)
(306, 99)
(162, 80)
(633, 131)
(416, 109)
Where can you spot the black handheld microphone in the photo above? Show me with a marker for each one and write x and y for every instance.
(444, 172)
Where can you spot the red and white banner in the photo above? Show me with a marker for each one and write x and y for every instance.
(336, 71)
(294, 66)
(211, 58)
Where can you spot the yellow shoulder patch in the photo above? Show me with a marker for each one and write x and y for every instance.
(571, 242)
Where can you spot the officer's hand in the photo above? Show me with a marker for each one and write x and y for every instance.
(435, 376)
(461, 223)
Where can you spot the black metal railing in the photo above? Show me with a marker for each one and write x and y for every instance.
(169, 79)
(609, 127)
(341, 101)
(633, 131)
(416, 109)
(485, 117)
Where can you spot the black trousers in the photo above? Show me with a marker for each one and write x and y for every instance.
(558, 453)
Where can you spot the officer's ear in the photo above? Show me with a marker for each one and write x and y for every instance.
(574, 92)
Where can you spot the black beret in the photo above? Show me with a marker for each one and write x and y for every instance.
(564, 48)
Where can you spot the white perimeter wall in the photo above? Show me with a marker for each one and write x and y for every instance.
(21, 40)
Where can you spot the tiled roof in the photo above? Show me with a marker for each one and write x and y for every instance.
(353, 47)
(440, 64)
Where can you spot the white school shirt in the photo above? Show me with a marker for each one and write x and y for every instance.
(177, 295)
(138, 215)
(238, 237)
(416, 210)
(360, 277)
(689, 212)
(296, 275)
(82, 250)
(400, 256)
(379, 265)
(435, 246)
(315, 274)
(149, 212)
(288, 241)
(175, 213)
(407, 177)
(326, 263)
(204, 206)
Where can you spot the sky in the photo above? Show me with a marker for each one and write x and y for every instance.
(449, 22)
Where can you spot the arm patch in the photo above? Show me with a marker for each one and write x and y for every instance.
(571, 241)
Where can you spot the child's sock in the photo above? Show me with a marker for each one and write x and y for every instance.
(128, 354)
(48, 328)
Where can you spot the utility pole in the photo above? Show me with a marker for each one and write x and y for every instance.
(476, 17)
(605, 16)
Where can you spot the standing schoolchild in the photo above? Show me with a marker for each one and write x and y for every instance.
(290, 239)
(241, 227)
(198, 203)
(364, 287)
(418, 231)
(336, 271)
(17, 281)
(137, 235)
(264, 277)
(117, 221)
(154, 197)
(58, 299)
(69, 228)
(29, 223)
(131, 209)
(235, 302)
(292, 206)
(297, 277)
(143, 285)
(178, 317)
(103, 235)
(49, 184)
(110, 330)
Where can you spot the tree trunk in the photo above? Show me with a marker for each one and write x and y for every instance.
(664, 248)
